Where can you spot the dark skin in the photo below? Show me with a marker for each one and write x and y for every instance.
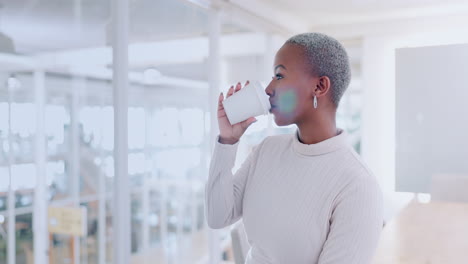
(292, 93)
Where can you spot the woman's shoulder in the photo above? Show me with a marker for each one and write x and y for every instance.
(279, 137)
(357, 178)
(272, 144)
(360, 165)
(277, 141)
(355, 171)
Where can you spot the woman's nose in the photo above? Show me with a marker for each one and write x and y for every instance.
(269, 90)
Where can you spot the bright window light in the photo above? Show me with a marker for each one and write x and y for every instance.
(192, 125)
(136, 128)
(24, 176)
(136, 163)
(3, 120)
(4, 179)
(20, 113)
(178, 161)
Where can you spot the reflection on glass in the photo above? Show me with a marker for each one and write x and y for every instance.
(136, 222)
(56, 180)
(4, 146)
(23, 182)
(61, 247)
(24, 238)
(56, 120)
(154, 218)
(176, 127)
(3, 239)
(89, 244)
(4, 182)
(108, 233)
(22, 132)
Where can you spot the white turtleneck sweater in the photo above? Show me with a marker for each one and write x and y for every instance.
(300, 204)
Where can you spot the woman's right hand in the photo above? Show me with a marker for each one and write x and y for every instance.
(230, 134)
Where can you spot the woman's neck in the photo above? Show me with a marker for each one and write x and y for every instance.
(316, 130)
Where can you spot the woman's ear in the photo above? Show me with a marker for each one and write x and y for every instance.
(323, 86)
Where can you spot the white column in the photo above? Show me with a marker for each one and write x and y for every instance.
(77, 15)
(74, 160)
(378, 117)
(268, 59)
(121, 216)
(193, 208)
(215, 83)
(206, 151)
(378, 111)
(267, 71)
(145, 214)
(145, 229)
(41, 239)
(102, 225)
(181, 203)
(11, 192)
(163, 206)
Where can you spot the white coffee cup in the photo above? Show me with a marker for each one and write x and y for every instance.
(250, 101)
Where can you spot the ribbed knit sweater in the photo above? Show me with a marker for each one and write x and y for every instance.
(300, 203)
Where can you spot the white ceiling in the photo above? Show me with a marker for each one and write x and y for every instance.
(309, 7)
(39, 26)
(50, 25)
(316, 13)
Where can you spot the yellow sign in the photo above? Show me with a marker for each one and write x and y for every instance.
(68, 220)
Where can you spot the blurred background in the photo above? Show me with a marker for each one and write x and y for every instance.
(58, 122)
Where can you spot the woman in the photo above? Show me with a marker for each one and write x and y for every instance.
(305, 197)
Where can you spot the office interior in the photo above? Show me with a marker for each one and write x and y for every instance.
(107, 110)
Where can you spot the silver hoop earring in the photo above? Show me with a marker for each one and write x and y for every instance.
(315, 101)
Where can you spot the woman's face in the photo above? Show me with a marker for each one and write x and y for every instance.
(292, 89)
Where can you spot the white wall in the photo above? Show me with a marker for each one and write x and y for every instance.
(431, 116)
(378, 116)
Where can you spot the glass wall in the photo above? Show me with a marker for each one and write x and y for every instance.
(4, 168)
(168, 142)
(17, 163)
(59, 41)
